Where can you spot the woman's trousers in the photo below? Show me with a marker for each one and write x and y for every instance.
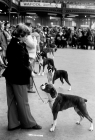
(18, 107)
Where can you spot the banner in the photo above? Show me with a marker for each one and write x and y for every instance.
(40, 4)
(75, 6)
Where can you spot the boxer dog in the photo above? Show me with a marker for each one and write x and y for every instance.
(43, 61)
(59, 102)
(50, 50)
(54, 74)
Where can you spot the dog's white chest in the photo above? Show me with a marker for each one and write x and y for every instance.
(50, 77)
(51, 104)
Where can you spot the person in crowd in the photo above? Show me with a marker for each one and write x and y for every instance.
(58, 39)
(17, 76)
(36, 33)
(3, 42)
(12, 28)
(32, 47)
(31, 44)
(7, 26)
(63, 40)
(7, 31)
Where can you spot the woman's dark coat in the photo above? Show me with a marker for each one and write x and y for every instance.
(17, 71)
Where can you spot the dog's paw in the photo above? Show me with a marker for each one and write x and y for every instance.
(78, 123)
(52, 129)
(69, 89)
(42, 74)
(91, 128)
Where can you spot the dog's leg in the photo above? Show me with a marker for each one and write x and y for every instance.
(54, 122)
(39, 69)
(90, 119)
(83, 110)
(86, 115)
(78, 122)
(53, 126)
(80, 114)
(53, 82)
(61, 79)
(67, 80)
(53, 55)
(43, 70)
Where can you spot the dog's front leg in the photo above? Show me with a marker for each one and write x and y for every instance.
(54, 122)
(43, 70)
(52, 55)
(39, 69)
(53, 80)
(53, 126)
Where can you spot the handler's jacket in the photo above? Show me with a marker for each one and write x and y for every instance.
(17, 71)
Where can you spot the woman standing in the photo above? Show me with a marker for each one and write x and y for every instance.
(17, 75)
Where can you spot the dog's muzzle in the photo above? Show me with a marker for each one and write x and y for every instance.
(43, 86)
(50, 70)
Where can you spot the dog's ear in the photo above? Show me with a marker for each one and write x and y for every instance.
(46, 83)
(53, 93)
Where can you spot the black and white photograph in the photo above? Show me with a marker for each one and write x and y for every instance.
(47, 69)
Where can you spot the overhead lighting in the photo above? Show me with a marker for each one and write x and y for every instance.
(13, 12)
(52, 14)
(54, 18)
(71, 15)
(0, 10)
(31, 13)
(69, 19)
(29, 16)
(92, 15)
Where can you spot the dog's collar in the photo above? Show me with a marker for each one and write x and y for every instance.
(52, 101)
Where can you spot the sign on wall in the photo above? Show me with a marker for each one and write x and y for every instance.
(40, 4)
(80, 6)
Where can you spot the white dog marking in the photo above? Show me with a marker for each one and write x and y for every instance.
(53, 126)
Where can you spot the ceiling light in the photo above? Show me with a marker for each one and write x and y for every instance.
(13, 12)
(92, 15)
(52, 14)
(73, 15)
(31, 13)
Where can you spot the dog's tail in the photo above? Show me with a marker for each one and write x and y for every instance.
(85, 100)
